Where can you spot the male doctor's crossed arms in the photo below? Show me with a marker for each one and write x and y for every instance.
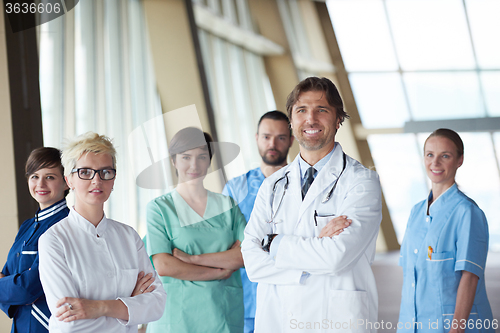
(311, 277)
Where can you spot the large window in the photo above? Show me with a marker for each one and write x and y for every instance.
(96, 75)
(239, 87)
(421, 60)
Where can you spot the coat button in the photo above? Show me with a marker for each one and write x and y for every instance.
(427, 219)
(415, 251)
(290, 314)
(413, 285)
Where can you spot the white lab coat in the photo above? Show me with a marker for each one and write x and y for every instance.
(340, 291)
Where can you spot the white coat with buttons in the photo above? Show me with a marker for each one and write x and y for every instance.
(340, 294)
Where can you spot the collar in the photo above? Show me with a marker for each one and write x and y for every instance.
(303, 165)
(257, 173)
(186, 214)
(43, 214)
(441, 200)
(86, 225)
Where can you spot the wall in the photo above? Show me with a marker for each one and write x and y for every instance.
(8, 202)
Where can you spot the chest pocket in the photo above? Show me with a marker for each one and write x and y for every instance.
(442, 265)
(27, 258)
(320, 222)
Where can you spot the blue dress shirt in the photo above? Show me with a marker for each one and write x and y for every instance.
(303, 165)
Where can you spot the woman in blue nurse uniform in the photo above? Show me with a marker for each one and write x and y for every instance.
(444, 250)
(21, 294)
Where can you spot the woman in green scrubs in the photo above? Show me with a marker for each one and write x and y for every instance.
(193, 239)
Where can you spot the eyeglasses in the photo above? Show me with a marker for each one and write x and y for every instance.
(89, 174)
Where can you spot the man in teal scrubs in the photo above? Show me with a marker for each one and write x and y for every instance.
(274, 139)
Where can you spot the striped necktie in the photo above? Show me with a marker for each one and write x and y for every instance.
(309, 178)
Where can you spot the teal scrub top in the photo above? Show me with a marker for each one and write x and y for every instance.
(197, 306)
(436, 248)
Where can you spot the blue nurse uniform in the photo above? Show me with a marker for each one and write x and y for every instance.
(21, 294)
(243, 190)
(436, 248)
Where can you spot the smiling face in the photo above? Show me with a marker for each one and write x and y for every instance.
(314, 122)
(273, 141)
(192, 165)
(441, 160)
(47, 186)
(92, 193)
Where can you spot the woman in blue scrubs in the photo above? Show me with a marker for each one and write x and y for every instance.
(444, 251)
(21, 294)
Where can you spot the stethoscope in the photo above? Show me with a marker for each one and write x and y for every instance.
(329, 194)
(285, 187)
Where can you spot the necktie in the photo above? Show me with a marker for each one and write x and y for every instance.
(309, 178)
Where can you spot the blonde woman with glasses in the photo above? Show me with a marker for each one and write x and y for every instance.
(95, 272)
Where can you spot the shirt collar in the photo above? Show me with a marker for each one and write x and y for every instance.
(303, 165)
(43, 214)
(86, 225)
(186, 214)
(257, 173)
(442, 199)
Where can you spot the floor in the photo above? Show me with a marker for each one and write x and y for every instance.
(389, 277)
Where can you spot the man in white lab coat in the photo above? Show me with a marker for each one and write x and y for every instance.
(311, 236)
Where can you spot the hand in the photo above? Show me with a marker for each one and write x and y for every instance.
(226, 273)
(71, 309)
(182, 256)
(335, 226)
(2, 275)
(235, 244)
(144, 284)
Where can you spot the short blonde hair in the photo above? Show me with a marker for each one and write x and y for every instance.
(89, 142)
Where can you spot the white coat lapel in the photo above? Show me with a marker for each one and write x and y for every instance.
(324, 180)
(295, 183)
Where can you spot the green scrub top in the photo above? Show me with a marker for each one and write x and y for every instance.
(197, 306)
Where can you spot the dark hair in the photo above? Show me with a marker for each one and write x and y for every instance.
(318, 84)
(189, 138)
(275, 115)
(452, 136)
(44, 157)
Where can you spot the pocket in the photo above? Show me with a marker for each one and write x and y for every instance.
(442, 256)
(472, 325)
(323, 220)
(28, 256)
(320, 222)
(442, 264)
(234, 306)
(346, 308)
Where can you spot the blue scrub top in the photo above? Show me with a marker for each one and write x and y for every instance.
(243, 190)
(21, 294)
(435, 250)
